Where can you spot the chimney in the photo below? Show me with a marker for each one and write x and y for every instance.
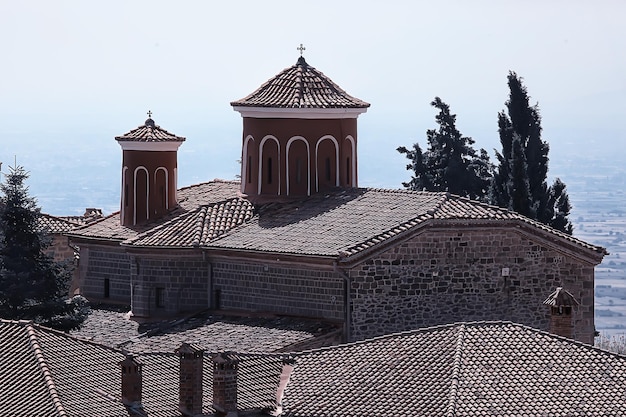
(190, 381)
(561, 304)
(225, 366)
(131, 380)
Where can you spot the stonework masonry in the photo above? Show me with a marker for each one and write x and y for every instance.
(438, 275)
(105, 267)
(282, 288)
(444, 276)
(169, 283)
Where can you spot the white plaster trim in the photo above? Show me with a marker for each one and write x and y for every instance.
(244, 163)
(317, 145)
(123, 194)
(308, 163)
(259, 190)
(353, 162)
(167, 190)
(176, 183)
(277, 112)
(135, 194)
(149, 146)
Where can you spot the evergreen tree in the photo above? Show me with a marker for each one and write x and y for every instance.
(450, 162)
(520, 180)
(32, 285)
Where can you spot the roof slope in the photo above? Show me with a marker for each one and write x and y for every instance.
(300, 87)
(473, 369)
(464, 369)
(341, 223)
(347, 222)
(149, 132)
(189, 199)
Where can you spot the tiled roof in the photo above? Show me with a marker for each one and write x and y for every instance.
(300, 87)
(347, 222)
(149, 132)
(473, 369)
(464, 369)
(55, 224)
(341, 223)
(198, 227)
(212, 332)
(189, 199)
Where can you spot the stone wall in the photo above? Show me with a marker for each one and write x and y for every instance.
(281, 288)
(170, 283)
(101, 266)
(448, 275)
(61, 251)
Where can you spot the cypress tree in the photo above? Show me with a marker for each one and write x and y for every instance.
(520, 181)
(450, 162)
(32, 285)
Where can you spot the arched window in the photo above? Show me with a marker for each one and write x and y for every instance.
(298, 167)
(327, 163)
(161, 184)
(269, 166)
(141, 195)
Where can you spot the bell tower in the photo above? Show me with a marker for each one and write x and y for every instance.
(149, 173)
(299, 135)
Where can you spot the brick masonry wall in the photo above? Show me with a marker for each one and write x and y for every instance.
(280, 288)
(170, 283)
(444, 276)
(61, 251)
(98, 263)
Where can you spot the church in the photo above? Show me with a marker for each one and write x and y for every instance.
(297, 236)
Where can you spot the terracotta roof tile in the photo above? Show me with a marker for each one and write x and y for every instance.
(300, 86)
(463, 369)
(198, 227)
(210, 331)
(189, 199)
(348, 222)
(341, 223)
(472, 369)
(149, 132)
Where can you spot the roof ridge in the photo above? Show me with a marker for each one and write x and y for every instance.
(215, 180)
(45, 370)
(454, 385)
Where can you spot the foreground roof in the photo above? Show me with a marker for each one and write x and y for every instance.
(300, 87)
(341, 224)
(464, 369)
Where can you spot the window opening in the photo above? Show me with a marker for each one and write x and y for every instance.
(160, 297)
(327, 169)
(298, 171)
(348, 182)
(269, 170)
(249, 170)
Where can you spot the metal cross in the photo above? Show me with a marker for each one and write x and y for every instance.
(149, 114)
(301, 49)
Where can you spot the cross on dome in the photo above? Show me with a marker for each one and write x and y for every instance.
(149, 113)
(301, 48)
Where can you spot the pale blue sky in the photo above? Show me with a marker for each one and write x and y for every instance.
(75, 73)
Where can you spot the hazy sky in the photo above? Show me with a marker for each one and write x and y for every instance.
(74, 74)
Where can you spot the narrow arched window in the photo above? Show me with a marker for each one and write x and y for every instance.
(125, 195)
(327, 169)
(348, 182)
(269, 170)
(249, 169)
(298, 171)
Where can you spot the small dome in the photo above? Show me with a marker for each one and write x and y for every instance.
(149, 122)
